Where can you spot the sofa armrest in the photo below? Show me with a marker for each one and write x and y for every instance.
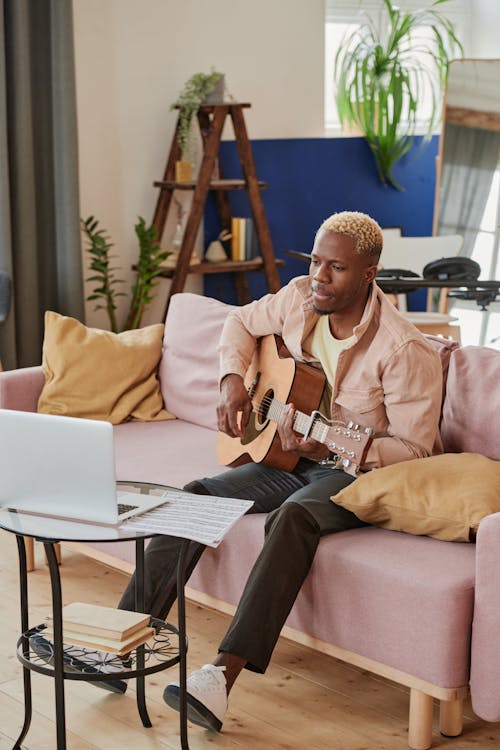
(485, 650)
(20, 389)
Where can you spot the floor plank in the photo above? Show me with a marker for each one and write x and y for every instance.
(306, 700)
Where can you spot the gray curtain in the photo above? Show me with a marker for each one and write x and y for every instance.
(39, 207)
(470, 158)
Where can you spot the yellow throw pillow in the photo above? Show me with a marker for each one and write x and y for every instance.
(442, 496)
(101, 375)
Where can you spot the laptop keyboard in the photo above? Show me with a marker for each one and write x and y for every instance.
(123, 508)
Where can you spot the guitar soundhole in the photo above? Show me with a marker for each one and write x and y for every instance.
(262, 415)
(259, 418)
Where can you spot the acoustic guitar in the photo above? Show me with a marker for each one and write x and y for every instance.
(274, 379)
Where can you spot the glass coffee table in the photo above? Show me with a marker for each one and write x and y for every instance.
(166, 648)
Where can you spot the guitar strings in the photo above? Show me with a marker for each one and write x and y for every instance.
(267, 401)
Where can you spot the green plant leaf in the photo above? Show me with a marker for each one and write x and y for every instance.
(379, 79)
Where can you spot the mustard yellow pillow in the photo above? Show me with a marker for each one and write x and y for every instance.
(442, 496)
(101, 375)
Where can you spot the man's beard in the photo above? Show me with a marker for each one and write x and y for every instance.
(322, 312)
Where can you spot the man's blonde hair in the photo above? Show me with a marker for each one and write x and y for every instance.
(362, 228)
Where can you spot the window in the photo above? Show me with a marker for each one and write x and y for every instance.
(478, 326)
(341, 18)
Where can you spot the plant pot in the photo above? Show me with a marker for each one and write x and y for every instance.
(216, 96)
(183, 171)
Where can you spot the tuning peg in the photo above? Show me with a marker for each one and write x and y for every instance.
(350, 454)
(369, 431)
(350, 424)
(332, 444)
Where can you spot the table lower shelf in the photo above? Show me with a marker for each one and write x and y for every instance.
(90, 665)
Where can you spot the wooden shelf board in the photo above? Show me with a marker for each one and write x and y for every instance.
(228, 266)
(211, 107)
(213, 185)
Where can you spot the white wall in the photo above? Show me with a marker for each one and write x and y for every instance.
(132, 58)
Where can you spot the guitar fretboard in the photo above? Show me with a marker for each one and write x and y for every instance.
(301, 421)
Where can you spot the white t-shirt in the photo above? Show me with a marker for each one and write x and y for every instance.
(323, 346)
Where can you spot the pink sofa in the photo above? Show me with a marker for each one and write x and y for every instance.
(418, 611)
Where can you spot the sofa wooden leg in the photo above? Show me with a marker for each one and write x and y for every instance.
(29, 546)
(451, 717)
(420, 724)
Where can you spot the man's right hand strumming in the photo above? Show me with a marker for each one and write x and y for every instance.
(234, 406)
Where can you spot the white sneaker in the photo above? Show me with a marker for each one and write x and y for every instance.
(206, 696)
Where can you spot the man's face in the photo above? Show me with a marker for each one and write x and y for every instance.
(339, 276)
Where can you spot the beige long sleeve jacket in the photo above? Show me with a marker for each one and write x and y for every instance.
(389, 379)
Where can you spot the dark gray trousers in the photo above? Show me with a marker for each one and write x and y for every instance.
(300, 513)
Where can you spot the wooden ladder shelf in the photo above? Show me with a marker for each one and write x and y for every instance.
(211, 120)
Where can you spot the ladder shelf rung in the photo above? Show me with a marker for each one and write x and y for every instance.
(227, 266)
(213, 185)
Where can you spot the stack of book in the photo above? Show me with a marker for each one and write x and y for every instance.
(102, 628)
(244, 243)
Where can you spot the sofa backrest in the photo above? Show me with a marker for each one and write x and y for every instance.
(471, 406)
(189, 367)
(189, 371)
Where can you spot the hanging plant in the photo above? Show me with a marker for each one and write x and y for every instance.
(195, 90)
(381, 77)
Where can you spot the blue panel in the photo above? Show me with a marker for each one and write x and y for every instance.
(309, 179)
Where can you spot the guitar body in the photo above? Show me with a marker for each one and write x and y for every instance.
(279, 377)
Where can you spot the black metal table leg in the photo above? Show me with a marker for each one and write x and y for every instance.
(58, 642)
(23, 596)
(181, 614)
(139, 606)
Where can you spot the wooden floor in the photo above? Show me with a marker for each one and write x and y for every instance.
(306, 700)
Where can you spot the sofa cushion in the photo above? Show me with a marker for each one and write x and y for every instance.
(444, 348)
(172, 453)
(189, 368)
(97, 374)
(470, 411)
(442, 496)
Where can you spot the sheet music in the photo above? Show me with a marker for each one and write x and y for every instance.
(203, 518)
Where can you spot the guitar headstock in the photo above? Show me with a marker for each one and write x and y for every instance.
(350, 443)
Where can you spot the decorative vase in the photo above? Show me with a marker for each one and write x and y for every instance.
(215, 252)
(216, 96)
(173, 258)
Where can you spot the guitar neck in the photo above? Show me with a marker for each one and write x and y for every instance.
(301, 422)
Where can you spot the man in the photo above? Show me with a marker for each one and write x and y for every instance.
(380, 372)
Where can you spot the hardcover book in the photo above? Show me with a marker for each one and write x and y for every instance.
(99, 643)
(96, 620)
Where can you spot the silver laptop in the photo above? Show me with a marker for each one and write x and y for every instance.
(63, 467)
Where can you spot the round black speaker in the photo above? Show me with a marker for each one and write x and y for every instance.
(394, 275)
(452, 269)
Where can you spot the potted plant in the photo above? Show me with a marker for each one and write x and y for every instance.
(148, 269)
(200, 88)
(380, 76)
